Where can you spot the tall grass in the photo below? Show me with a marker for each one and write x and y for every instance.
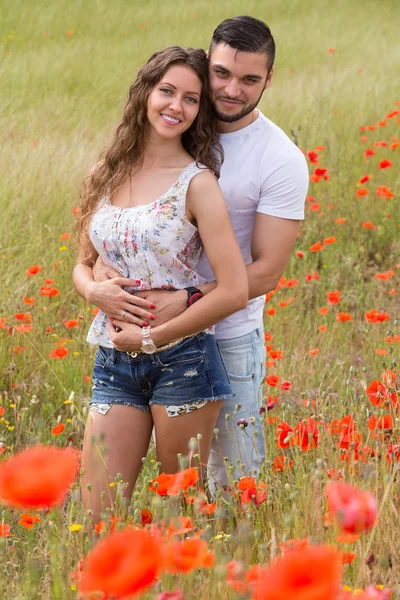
(65, 71)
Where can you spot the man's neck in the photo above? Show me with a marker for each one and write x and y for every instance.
(224, 127)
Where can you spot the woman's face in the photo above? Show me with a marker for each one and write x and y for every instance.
(174, 103)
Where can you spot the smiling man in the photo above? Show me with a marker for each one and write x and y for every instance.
(264, 180)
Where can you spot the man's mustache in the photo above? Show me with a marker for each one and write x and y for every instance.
(230, 99)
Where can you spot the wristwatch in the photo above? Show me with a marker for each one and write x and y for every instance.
(194, 294)
(148, 346)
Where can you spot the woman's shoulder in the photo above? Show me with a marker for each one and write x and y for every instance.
(203, 181)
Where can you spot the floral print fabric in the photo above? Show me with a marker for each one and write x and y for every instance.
(154, 243)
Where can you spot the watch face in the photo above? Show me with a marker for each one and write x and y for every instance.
(149, 347)
(195, 297)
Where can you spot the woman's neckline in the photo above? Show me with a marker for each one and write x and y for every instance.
(109, 203)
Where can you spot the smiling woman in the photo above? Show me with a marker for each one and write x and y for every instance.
(149, 207)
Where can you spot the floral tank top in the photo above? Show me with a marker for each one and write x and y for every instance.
(154, 243)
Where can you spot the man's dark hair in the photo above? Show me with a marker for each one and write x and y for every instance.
(245, 34)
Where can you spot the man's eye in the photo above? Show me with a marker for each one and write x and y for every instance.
(221, 73)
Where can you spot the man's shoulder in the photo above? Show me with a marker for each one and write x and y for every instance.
(272, 137)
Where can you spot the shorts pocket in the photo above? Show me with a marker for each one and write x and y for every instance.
(102, 357)
(188, 351)
(241, 378)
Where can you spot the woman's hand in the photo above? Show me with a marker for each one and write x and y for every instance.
(111, 298)
(124, 336)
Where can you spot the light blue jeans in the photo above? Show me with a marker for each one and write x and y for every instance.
(237, 452)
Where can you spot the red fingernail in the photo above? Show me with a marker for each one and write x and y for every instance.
(152, 317)
(152, 305)
(145, 324)
(138, 281)
(112, 320)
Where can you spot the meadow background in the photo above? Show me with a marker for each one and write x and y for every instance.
(65, 70)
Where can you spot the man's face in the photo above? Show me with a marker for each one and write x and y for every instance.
(238, 80)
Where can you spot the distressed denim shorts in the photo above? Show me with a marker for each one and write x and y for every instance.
(182, 378)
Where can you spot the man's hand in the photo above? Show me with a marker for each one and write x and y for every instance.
(169, 304)
(103, 273)
(111, 298)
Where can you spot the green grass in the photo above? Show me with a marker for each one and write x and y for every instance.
(61, 97)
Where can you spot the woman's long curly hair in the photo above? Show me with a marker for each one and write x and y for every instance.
(127, 148)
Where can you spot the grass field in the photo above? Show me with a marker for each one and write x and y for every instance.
(65, 71)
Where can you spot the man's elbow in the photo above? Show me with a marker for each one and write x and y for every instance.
(271, 283)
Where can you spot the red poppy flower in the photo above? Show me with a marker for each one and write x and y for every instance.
(146, 517)
(71, 323)
(182, 481)
(284, 435)
(333, 297)
(369, 152)
(175, 595)
(286, 385)
(122, 564)
(5, 530)
(348, 557)
(369, 225)
(183, 557)
(342, 317)
(28, 521)
(272, 380)
(362, 192)
(309, 573)
(313, 157)
(58, 429)
(373, 316)
(305, 434)
(364, 179)
(354, 509)
(161, 484)
(378, 393)
(59, 352)
(384, 192)
(385, 275)
(34, 270)
(39, 477)
(385, 164)
(317, 247)
(282, 463)
(329, 240)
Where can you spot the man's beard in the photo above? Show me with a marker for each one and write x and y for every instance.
(233, 118)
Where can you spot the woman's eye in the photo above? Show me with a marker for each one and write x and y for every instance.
(165, 90)
(193, 100)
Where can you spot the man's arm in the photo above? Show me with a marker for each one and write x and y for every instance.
(271, 246)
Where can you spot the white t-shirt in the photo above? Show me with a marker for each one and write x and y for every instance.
(263, 171)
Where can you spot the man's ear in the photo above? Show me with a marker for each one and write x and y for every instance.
(269, 79)
(207, 54)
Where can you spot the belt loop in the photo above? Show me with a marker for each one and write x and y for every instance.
(113, 356)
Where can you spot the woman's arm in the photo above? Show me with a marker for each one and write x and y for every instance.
(107, 295)
(206, 206)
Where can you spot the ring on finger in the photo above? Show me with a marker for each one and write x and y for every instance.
(123, 315)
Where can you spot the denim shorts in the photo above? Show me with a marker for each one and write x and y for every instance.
(182, 378)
